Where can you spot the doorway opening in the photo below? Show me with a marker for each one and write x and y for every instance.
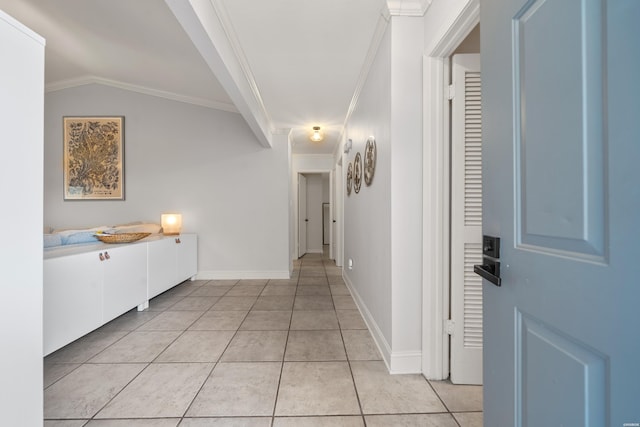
(314, 192)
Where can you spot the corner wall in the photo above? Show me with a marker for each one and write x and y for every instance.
(383, 223)
(203, 163)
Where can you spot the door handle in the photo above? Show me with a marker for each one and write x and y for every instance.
(306, 220)
(489, 271)
(334, 220)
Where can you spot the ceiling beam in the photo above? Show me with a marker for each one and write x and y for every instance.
(205, 21)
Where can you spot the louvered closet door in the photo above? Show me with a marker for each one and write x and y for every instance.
(466, 221)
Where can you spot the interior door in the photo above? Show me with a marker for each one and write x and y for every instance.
(332, 221)
(302, 215)
(561, 103)
(466, 221)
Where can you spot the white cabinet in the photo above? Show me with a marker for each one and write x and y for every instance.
(170, 260)
(85, 290)
(186, 257)
(72, 298)
(125, 280)
(87, 286)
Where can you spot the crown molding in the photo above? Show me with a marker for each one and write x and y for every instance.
(408, 7)
(87, 80)
(381, 26)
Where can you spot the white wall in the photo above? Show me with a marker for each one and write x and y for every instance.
(406, 190)
(21, 116)
(383, 223)
(367, 215)
(179, 157)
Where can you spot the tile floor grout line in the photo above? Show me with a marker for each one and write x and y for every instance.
(303, 274)
(284, 353)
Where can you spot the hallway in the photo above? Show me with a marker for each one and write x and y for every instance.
(245, 353)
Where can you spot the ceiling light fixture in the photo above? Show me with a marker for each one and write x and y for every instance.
(316, 136)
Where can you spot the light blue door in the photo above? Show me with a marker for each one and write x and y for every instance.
(561, 171)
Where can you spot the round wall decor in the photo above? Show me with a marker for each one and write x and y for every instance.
(369, 160)
(349, 178)
(357, 173)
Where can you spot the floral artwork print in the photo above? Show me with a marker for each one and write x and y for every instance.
(93, 158)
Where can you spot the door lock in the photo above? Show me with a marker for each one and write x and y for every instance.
(490, 268)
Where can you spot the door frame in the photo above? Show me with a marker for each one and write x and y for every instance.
(295, 207)
(436, 191)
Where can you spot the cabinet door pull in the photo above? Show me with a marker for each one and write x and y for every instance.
(106, 255)
(178, 240)
(101, 256)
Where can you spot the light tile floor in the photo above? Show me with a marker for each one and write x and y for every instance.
(252, 353)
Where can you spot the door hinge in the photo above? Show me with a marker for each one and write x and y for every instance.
(451, 92)
(449, 326)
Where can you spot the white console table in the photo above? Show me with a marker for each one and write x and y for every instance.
(86, 286)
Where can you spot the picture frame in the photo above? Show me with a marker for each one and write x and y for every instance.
(93, 159)
(349, 178)
(357, 173)
(369, 160)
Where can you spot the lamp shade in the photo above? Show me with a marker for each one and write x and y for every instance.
(171, 223)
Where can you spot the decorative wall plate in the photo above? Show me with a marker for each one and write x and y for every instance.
(357, 173)
(349, 178)
(369, 160)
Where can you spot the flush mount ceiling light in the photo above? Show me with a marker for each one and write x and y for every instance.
(316, 136)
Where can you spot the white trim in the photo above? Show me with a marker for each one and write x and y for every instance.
(227, 26)
(435, 295)
(376, 333)
(206, 24)
(398, 362)
(406, 362)
(238, 275)
(408, 7)
(378, 33)
(87, 80)
(22, 28)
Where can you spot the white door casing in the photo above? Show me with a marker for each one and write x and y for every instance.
(560, 168)
(436, 214)
(302, 215)
(466, 221)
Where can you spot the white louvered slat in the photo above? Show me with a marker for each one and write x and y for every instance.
(472, 312)
(472, 150)
(466, 221)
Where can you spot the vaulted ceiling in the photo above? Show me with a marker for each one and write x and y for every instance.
(282, 64)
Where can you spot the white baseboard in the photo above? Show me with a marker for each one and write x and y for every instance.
(398, 362)
(232, 275)
(406, 362)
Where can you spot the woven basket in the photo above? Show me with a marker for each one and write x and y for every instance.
(121, 238)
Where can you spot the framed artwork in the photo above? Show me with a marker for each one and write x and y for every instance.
(369, 160)
(93, 158)
(357, 173)
(349, 178)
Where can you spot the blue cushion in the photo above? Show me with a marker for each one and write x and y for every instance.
(79, 237)
(51, 240)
